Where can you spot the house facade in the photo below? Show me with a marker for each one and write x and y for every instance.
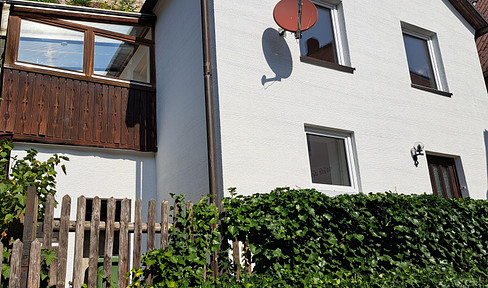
(341, 116)
(376, 96)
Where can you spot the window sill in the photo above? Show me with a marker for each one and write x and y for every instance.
(420, 87)
(331, 65)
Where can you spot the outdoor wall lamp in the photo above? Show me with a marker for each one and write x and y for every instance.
(416, 151)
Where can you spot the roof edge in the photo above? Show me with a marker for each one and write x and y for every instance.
(472, 15)
(79, 9)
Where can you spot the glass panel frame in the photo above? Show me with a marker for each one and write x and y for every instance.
(319, 42)
(46, 49)
(420, 61)
(343, 156)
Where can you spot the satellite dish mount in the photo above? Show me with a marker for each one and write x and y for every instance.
(295, 16)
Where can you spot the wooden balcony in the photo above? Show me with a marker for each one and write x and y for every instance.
(44, 108)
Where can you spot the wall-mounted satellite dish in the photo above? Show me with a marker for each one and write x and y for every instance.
(295, 15)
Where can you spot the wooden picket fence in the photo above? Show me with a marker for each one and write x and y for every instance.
(25, 260)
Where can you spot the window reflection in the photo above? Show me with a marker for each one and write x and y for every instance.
(138, 31)
(121, 59)
(318, 41)
(328, 163)
(52, 46)
(419, 63)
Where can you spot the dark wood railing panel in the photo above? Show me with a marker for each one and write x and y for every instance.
(51, 109)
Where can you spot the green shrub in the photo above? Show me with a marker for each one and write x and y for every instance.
(303, 238)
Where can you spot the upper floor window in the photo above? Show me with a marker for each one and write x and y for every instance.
(423, 57)
(326, 41)
(110, 52)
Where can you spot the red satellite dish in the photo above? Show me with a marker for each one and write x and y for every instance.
(295, 15)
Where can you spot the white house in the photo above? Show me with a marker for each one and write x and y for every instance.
(340, 116)
(123, 95)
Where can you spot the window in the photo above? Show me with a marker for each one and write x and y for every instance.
(443, 177)
(331, 158)
(111, 52)
(325, 42)
(423, 57)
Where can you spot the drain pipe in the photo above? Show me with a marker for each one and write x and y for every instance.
(209, 113)
(209, 105)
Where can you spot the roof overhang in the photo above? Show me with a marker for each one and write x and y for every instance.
(472, 15)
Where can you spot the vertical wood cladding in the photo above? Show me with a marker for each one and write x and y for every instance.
(51, 109)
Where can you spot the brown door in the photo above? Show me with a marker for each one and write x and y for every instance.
(443, 177)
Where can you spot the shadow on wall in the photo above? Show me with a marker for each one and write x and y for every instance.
(485, 137)
(277, 55)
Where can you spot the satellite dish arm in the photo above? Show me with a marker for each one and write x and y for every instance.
(298, 34)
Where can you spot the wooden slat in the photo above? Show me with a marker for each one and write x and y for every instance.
(164, 224)
(48, 222)
(44, 104)
(13, 101)
(105, 104)
(237, 258)
(92, 112)
(151, 224)
(63, 241)
(5, 104)
(32, 124)
(79, 237)
(124, 131)
(83, 111)
(142, 120)
(29, 231)
(14, 281)
(53, 106)
(61, 112)
(109, 236)
(94, 238)
(123, 243)
(34, 265)
(53, 269)
(136, 253)
(21, 102)
(109, 116)
(117, 120)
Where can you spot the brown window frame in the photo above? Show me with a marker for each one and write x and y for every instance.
(56, 19)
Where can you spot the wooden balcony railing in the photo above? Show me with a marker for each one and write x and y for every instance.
(43, 108)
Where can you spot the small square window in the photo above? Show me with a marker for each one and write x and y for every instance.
(326, 41)
(423, 57)
(332, 165)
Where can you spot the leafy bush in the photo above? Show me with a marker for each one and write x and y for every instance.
(303, 238)
(184, 262)
(24, 172)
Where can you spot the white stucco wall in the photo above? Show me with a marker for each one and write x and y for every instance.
(181, 160)
(98, 172)
(262, 126)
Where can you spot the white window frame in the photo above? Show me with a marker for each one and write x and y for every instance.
(338, 28)
(434, 53)
(351, 159)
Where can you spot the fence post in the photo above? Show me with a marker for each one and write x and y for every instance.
(29, 235)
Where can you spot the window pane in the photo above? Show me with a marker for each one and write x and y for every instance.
(121, 59)
(51, 46)
(328, 163)
(138, 31)
(318, 41)
(438, 183)
(419, 62)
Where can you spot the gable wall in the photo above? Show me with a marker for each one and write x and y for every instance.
(262, 126)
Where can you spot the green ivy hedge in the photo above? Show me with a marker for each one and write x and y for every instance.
(303, 238)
